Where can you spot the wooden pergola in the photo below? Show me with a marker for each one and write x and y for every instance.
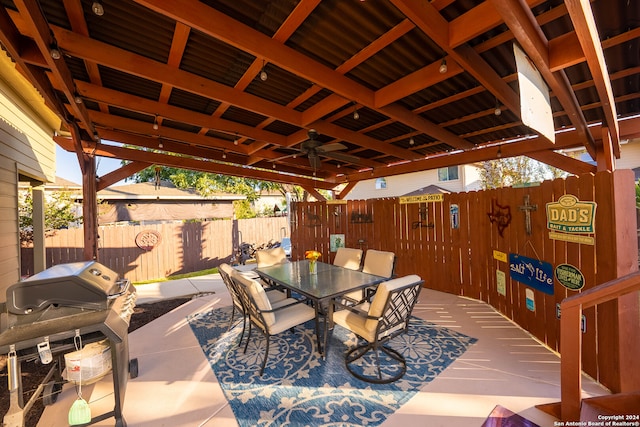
(390, 86)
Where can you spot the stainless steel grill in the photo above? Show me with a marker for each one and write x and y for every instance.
(52, 307)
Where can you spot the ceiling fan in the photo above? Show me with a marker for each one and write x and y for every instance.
(313, 149)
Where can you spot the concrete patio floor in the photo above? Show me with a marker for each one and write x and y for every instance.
(177, 387)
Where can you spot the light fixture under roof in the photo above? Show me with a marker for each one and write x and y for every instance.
(235, 140)
(443, 66)
(155, 122)
(498, 110)
(54, 51)
(97, 8)
(412, 141)
(356, 115)
(263, 73)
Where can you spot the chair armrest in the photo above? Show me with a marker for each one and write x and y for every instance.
(290, 304)
(355, 310)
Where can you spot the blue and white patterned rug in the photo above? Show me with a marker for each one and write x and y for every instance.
(298, 388)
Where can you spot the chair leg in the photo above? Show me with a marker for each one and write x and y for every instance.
(244, 325)
(358, 352)
(233, 313)
(266, 355)
(248, 338)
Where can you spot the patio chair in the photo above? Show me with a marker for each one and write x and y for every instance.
(226, 271)
(267, 257)
(271, 318)
(386, 317)
(350, 258)
(380, 263)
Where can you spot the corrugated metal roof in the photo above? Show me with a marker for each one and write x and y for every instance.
(323, 60)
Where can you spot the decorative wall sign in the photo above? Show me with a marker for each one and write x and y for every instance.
(500, 256)
(422, 212)
(358, 218)
(425, 198)
(569, 219)
(501, 283)
(527, 209)
(530, 299)
(454, 212)
(500, 215)
(570, 277)
(532, 272)
(148, 239)
(336, 241)
(313, 220)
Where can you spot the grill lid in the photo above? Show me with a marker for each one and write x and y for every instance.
(85, 284)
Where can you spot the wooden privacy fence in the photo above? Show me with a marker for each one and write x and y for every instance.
(464, 245)
(160, 250)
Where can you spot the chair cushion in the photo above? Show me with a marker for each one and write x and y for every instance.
(348, 258)
(291, 316)
(366, 328)
(354, 322)
(267, 257)
(380, 263)
(258, 294)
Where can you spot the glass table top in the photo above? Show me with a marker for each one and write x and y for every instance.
(329, 281)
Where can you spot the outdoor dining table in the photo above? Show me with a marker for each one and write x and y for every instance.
(328, 283)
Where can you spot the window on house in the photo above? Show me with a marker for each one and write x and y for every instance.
(381, 184)
(448, 174)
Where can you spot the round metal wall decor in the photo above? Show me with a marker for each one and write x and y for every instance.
(148, 239)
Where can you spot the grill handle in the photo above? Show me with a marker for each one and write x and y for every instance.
(124, 287)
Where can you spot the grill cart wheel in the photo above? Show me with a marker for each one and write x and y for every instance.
(50, 393)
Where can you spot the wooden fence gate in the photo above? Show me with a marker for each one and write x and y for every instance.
(469, 243)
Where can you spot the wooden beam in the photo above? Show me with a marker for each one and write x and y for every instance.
(144, 105)
(121, 173)
(560, 161)
(32, 13)
(522, 23)
(111, 151)
(585, 26)
(224, 28)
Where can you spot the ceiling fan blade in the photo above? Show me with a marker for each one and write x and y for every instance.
(348, 158)
(331, 147)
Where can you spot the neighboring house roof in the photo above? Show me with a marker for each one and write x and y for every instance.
(166, 191)
(429, 189)
(64, 183)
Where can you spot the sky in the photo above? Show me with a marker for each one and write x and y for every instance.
(67, 166)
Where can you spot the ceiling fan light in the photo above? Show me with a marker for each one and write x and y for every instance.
(97, 8)
(443, 66)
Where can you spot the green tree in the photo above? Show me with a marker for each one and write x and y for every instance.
(516, 171)
(60, 212)
(207, 184)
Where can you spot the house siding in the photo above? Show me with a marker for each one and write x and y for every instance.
(398, 185)
(26, 148)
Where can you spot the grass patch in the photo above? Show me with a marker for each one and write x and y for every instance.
(180, 276)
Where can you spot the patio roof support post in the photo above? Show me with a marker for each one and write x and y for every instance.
(39, 249)
(90, 208)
